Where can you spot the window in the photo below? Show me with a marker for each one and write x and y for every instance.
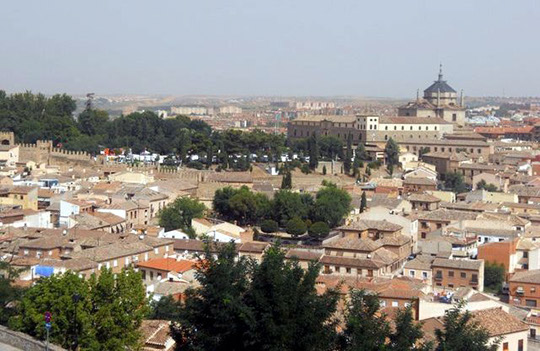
(530, 303)
(395, 127)
(505, 346)
(451, 273)
(454, 117)
(525, 254)
(411, 273)
(167, 248)
(151, 275)
(348, 270)
(386, 128)
(463, 275)
(424, 275)
(383, 303)
(156, 250)
(520, 345)
(533, 290)
(115, 263)
(143, 274)
(475, 278)
(395, 304)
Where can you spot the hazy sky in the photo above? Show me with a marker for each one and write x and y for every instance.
(270, 47)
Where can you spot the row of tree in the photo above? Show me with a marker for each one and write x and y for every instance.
(329, 205)
(274, 305)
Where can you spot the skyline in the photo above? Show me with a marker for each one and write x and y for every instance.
(279, 49)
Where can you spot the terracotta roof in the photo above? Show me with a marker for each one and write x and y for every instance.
(497, 322)
(442, 214)
(156, 335)
(366, 224)
(532, 276)
(419, 181)
(168, 264)
(421, 262)
(303, 255)
(352, 262)
(457, 264)
(423, 198)
(354, 244)
(253, 247)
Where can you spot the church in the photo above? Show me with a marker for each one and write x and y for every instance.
(440, 100)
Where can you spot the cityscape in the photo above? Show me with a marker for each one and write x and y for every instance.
(164, 199)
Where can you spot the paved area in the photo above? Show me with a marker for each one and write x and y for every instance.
(4, 347)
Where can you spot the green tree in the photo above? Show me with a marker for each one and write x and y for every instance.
(408, 333)
(215, 315)
(93, 122)
(360, 155)
(331, 205)
(313, 145)
(366, 328)
(461, 332)
(269, 226)
(9, 293)
(331, 147)
(348, 155)
(391, 152)
(287, 311)
(178, 215)
(454, 181)
(483, 185)
(221, 201)
(296, 226)
(494, 276)
(286, 182)
(287, 205)
(318, 230)
(363, 202)
(324, 170)
(106, 316)
(165, 308)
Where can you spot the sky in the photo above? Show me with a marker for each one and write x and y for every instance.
(385, 48)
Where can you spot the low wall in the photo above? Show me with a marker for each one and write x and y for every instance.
(23, 341)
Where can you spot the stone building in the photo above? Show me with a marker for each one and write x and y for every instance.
(440, 100)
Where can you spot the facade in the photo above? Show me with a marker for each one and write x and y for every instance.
(524, 289)
(9, 155)
(454, 274)
(440, 101)
(368, 128)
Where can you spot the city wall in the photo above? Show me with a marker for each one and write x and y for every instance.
(24, 342)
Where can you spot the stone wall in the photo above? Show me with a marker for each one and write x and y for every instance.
(44, 152)
(23, 341)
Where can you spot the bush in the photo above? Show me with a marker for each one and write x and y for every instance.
(318, 230)
(269, 226)
(195, 164)
(305, 168)
(296, 226)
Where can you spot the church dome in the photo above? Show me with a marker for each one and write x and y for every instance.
(439, 85)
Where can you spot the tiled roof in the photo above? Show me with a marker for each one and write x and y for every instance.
(419, 181)
(457, 264)
(352, 262)
(423, 198)
(498, 322)
(421, 262)
(442, 214)
(253, 247)
(532, 276)
(111, 251)
(411, 120)
(366, 224)
(168, 264)
(355, 244)
(303, 255)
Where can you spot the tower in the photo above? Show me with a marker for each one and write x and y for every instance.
(7, 138)
(440, 93)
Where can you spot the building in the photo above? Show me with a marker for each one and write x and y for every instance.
(440, 101)
(499, 325)
(9, 155)
(230, 110)
(524, 289)
(190, 110)
(23, 196)
(369, 128)
(454, 274)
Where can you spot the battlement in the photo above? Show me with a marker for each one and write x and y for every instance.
(7, 138)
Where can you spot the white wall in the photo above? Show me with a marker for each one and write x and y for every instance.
(429, 309)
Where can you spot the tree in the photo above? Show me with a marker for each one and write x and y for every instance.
(286, 182)
(454, 181)
(9, 293)
(408, 333)
(313, 146)
(287, 205)
(324, 170)
(348, 155)
(494, 276)
(360, 154)
(318, 230)
(296, 226)
(180, 213)
(287, 311)
(331, 205)
(461, 332)
(215, 315)
(269, 226)
(366, 328)
(245, 305)
(106, 315)
(391, 152)
(483, 185)
(363, 202)
(93, 122)
(165, 308)
(221, 200)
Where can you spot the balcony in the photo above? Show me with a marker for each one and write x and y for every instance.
(473, 282)
(438, 277)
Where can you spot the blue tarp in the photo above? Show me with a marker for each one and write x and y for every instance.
(44, 271)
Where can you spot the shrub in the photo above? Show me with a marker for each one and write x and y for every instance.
(318, 230)
(195, 164)
(269, 226)
(296, 226)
